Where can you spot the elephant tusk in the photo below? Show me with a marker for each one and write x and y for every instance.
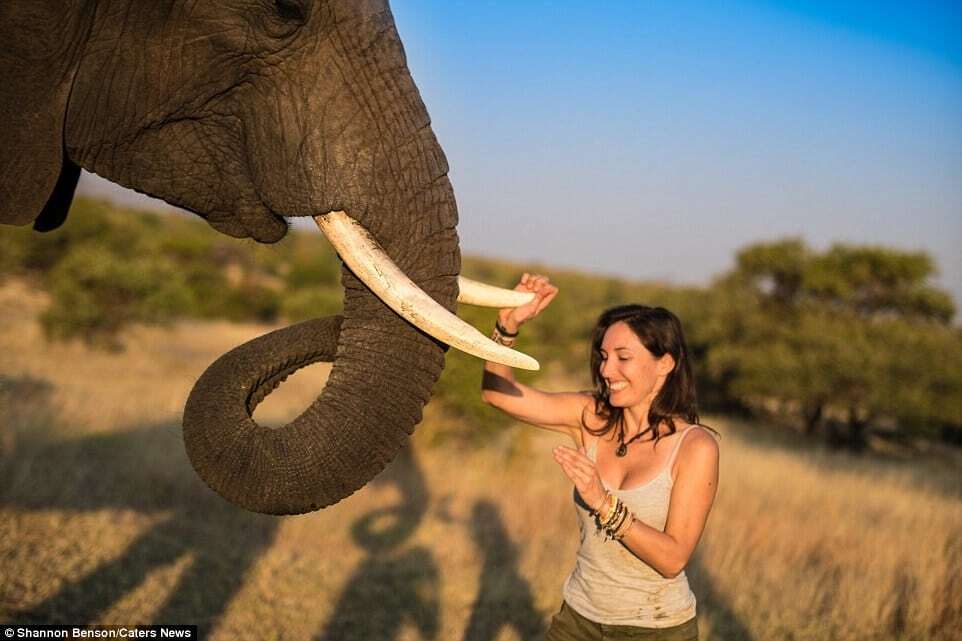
(473, 292)
(369, 262)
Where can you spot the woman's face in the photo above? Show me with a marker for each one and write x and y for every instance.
(632, 373)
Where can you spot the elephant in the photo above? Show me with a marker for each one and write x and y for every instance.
(249, 113)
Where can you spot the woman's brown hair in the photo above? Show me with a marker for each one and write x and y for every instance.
(660, 332)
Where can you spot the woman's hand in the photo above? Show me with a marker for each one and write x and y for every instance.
(583, 473)
(544, 292)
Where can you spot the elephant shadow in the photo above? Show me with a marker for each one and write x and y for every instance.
(144, 470)
(504, 598)
(395, 584)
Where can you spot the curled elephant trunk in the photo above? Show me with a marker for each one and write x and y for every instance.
(284, 471)
(383, 372)
(387, 353)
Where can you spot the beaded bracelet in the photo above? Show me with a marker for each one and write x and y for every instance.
(502, 339)
(615, 518)
(611, 500)
(625, 528)
(618, 521)
(617, 525)
(613, 513)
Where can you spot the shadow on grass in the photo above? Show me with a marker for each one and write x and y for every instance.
(395, 585)
(725, 623)
(24, 403)
(144, 470)
(504, 599)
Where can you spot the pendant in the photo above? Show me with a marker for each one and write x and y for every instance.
(622, 450)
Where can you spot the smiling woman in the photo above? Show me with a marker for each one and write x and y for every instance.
(644, 471)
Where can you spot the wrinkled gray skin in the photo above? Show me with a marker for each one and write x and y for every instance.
(246, 112)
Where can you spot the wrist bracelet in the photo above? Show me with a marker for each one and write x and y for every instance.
(625, 527)
(617, 522)
(501, 339)
(619, 519)
(597, 513)
(614, 514)
(612, 511)
(498, 326)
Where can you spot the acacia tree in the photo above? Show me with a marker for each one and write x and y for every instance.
(852, 334)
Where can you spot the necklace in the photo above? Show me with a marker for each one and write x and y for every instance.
(623, 448)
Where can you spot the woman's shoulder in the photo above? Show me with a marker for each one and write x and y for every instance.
(699, 431)
(699, 442)
(699, 450)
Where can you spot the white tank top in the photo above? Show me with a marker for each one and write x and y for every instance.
(611, 585)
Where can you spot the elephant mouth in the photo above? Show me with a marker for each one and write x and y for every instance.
(371, 264)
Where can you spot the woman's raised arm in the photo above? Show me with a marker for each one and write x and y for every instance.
(560, 412)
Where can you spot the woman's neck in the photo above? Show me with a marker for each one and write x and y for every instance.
(636, 419)
(636, 416)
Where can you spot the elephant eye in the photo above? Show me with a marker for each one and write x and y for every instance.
(294, 10)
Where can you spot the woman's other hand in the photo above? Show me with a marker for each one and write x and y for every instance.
(582, 472)
(544, 292)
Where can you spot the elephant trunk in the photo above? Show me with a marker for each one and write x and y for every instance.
(384, 370)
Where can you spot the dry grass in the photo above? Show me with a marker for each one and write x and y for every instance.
(102, 519)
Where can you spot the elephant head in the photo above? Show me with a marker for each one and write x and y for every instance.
(248, 112)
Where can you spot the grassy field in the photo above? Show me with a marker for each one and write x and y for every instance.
(103, 520)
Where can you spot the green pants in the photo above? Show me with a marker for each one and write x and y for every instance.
(568, 625)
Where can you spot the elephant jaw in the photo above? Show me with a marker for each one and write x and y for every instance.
(371, 264)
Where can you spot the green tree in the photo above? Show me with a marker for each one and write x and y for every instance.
(877, 281)
(848, 336)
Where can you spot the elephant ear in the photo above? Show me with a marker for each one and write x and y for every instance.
(37, 180)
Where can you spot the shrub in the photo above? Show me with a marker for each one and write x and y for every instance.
(95, 292)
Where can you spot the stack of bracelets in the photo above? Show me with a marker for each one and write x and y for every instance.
(501, 336)
(618, 521)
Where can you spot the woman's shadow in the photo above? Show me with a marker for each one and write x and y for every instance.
(143, 470)
(395, 584)
(504, 598)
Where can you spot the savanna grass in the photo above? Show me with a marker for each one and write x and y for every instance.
(102, 519)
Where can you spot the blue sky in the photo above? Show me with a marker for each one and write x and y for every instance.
(653, 139)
